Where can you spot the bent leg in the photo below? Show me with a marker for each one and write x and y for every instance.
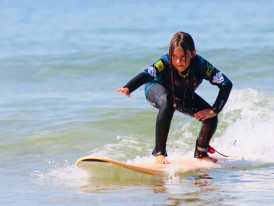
(195, 104)
(159, 97)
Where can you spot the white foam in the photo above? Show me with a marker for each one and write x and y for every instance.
(69, 175)
(250, 132)
(245, 133)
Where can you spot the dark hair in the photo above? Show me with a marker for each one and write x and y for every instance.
(182, 39)
(185, 41)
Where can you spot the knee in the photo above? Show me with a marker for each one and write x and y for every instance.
(163, 99)
(165, 102)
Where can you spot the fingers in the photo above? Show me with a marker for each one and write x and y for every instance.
(124, 91)
(204, 114)
(201, 116)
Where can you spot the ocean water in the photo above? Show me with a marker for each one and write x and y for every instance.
(60, 64)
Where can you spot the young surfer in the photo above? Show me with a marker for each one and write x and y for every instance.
(170, 85)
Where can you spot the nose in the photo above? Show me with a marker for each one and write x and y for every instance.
(179, 61)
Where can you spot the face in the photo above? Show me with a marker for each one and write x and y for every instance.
(180, 60)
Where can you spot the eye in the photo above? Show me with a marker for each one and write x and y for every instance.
(178, 57)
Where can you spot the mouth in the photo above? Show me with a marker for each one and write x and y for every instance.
(180, 68)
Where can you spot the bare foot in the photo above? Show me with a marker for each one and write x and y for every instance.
(161, 159)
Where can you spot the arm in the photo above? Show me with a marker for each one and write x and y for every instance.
(225, 86)
(134, 83)
(215, 77)
(146, 76)
(138, 81)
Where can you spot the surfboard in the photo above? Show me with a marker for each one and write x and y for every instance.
(101, 166)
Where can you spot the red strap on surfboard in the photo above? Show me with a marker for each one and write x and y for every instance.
(211, 150)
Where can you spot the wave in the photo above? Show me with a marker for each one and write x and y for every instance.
(245, 132)
(249, 134)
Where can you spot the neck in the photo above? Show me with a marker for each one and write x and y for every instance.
(184, 73)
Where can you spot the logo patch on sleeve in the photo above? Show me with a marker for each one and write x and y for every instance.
(152, 71)
(160, 66)
(209, 70)
(218, 78)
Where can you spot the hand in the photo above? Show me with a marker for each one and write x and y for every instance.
(161, 159)
(205, 114)
(124, 91)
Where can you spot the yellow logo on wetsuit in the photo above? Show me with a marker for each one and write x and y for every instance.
(159, 65)
(209, 70)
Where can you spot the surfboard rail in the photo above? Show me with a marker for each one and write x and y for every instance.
(149, 168)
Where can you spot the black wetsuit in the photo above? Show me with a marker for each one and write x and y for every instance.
(164, 90)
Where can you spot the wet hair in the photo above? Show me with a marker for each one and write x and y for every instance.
(185, 41)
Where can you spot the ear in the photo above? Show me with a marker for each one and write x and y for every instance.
(193, 53)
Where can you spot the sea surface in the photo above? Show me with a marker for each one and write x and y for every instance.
(60, 64)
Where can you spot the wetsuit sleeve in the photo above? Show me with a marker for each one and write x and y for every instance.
(148, 74)
(138, 81)
(215, 77)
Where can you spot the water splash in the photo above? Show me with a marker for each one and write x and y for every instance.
(66, 175)
(249, 135)
(245, 134)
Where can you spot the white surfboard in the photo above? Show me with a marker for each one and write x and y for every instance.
(99, 166)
